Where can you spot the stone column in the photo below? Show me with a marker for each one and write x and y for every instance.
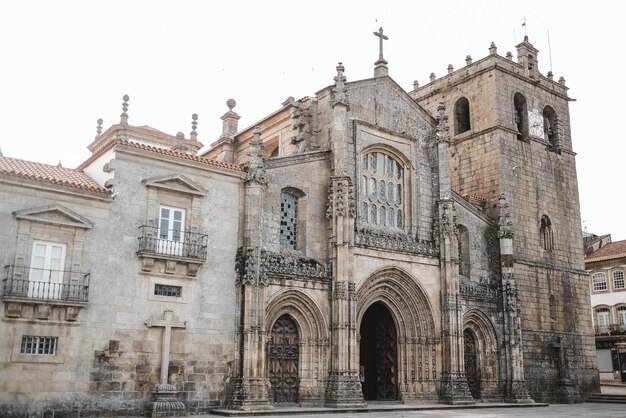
(515, 384)
(344, 387)
(251, 387)
(454, 387)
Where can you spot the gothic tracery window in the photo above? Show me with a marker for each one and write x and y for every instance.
(382, 190)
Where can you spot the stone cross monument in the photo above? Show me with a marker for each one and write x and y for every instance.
(164, 402)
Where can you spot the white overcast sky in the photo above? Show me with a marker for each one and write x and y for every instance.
(64, 64)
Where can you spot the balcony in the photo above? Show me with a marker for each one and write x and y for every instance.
(44, 288)
(609, 329)
(174, 247)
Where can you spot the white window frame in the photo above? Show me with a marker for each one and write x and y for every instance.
(603, 319)
(599, 283)
(621, 317)
(46, 276)
(171, 236)
(618, 275)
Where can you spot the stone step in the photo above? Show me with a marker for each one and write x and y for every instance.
(606, 398)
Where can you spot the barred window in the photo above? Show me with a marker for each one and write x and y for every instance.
(38, 346)
(288, 220)
(382, 190)
(167, 290)
(618, 279)
(599, 281)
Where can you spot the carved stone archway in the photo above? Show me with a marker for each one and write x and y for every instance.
(313, 337)
(411, 311)
(487, 353)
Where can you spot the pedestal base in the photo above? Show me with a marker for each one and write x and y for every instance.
(519, 393)
(566, 393)
(251, 394)
(344, 391)
(164, 402)
(455, 390)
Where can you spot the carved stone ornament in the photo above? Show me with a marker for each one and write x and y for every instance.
(254, 167)
(477, 291)
(395, 241)
(293, 265)
(340, 92)
(442, 129)
(448, 219)
(341, 198)
(505, 225)
(301, 123)
(245, 265)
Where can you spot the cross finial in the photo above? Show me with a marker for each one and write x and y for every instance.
(525, 32)
(124, 115)
(381, 38)
(194, 125)
(99, 127)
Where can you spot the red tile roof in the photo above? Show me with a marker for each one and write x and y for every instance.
(162, 151)
(610, 251)
(45, 173)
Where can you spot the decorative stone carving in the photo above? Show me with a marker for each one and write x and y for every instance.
(394, 240)
(477, 291)
(454, 389)
(442, 130)
(71, 313)
(293, 265)
(13, 309)
(341, 198)
(505, 225)
(254, 167)
(340, 92)
(245, 266)
(43, 311)
(301, 123)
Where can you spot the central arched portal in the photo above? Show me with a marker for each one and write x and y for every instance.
(379, 354)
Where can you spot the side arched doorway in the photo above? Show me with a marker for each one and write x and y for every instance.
(378, 354)
(472, 368)
(283, 360)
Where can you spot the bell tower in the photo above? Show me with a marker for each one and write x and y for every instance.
(511, 139)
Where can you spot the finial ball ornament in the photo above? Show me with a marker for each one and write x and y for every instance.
(231, 103)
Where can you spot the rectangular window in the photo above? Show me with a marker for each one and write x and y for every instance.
(599, 281)
(618, 279)
(38, 346)
(46, 270)
(167, 290)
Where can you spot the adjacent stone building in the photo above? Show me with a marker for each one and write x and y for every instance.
(606, 262)
(366, 243)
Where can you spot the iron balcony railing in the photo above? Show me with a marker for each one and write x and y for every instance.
(610, 329)
(172, 243)
(23, 282)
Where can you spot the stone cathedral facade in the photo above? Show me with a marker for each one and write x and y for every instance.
(366, 243)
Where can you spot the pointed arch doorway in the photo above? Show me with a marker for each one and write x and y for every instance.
(472, 369)
(283, 354)
(378, 354)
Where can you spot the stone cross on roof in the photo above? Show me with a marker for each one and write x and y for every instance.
(381, 38)
(380, 68)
